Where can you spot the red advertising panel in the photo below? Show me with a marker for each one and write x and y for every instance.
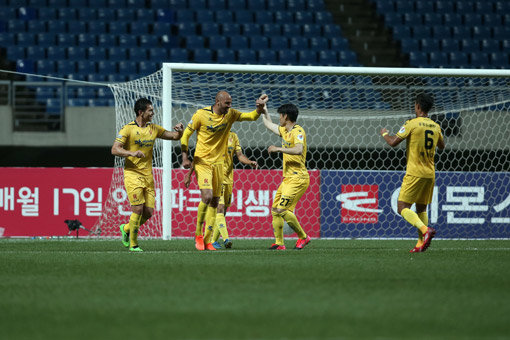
(37, 201)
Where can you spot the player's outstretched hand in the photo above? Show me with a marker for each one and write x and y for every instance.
(179, 127)
(272, 149)
(383, 131)
(254, 165)
(261, 102)
(138, 154)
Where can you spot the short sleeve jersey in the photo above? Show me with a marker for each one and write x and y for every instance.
(212, 133)
(232, 147)
(136, 138)
(294, 165)
(422, 135)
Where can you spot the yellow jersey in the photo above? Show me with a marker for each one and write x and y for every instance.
(294, 165)
(136, 138)
(422, 135)
(213, 131)
(233, 146)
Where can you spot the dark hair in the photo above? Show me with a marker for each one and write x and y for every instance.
(141, 105)
(290, 110)
(425, 101)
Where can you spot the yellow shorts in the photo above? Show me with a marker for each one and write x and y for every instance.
(210, 176)
(226, 195)
(140, 189)
(289, 192)
(416, 190)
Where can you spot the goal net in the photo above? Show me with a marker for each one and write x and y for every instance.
(355, 176)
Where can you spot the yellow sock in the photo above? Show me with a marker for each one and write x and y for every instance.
(210, 218)
(220, 228)
(424, 217)
(202, 208)
(278, 228)
(293, 223)
(411, 217)
(134, 226)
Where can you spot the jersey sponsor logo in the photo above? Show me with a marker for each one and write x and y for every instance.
(217, 128)
(360, 203)
(144, 142)
(402, 129)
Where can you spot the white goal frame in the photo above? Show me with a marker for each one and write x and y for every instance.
(169, 68)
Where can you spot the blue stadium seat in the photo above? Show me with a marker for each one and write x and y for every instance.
(283, 17)
(502, 6)
(127, 40)
(224, 16)
(210, 28)
(481, 32)
(279, 43)
(298, 43)
(404, 6)
(347, 58)
(67, 13)
(225, 56)
(216, 5)
(331, 30)
(418, 59)
(137, 54)
(461, 32)
(86, 40)
(75, 53)
(45, 13)
(421, 32)
(202, 55)
(501, 32)
(429, 45)
(304, 17)
(250, 29)
(499, 60)
(276, 5)
(464, 7)
(35, 52)
(97, 27)
(56, 52)
(183, 16)
(56, 26)
(338, 43)
(441, 32)
(287, 57)
(77, 27)
(256, 5)
(161, 28)
(46, 39)
(70, 102)
(128, 67)
(197, 4)
(244, 17)
(138, 28)
(483, 7)
(106, 40)
(158, 54)
(36, 26)
(432, 19)
(267, 57)
(95, 77)
(87, 14)
(444, 6)
(204, 15)
(473, 19)
(66, 39)
(458, 59)
(96, 53)
(25, 39)
(117, 53)
(149, 15)
(246, 56)
(296, 5)
(412, 19)
(16, 26)
(16, 52)
(187, 29)
(177, 4)
(178, 55)
(449, 45)
(401, 32)
(148, 41)
(230, 29)
(312, 30)
(259, 42)
(315, 5)
(126, 14)
(270, 30)
(107, 67)
(479, 60)
(123, 3)
(307, 57)
(7, 39)
(86, 66)
(328, 58)
(469, 45)
(488, 45)
(319, 43)
(391, 19)
(64, 67)
(438, 59)
(194, 41)
(409, 45)
(54, 106)
(452, 19)
(218, 42)
(323, 17)
(86, 92)
(25, 66)
(237, 5)
(424, 6)
(117, 27)
(238, 42)
(291, 30)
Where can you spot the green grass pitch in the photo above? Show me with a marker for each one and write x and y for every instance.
(333, 289)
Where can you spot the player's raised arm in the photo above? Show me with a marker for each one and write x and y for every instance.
(245, 160)
(173, 135)
(254, 115)
(268, 123)
(391, 140)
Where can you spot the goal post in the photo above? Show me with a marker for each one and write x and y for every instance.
(355, 176)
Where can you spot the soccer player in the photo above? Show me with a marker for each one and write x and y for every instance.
(220, 227)
(135, 142)
(213, 124)
(422, 135)
(295, 175)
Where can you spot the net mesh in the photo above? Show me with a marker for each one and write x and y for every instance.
(342, 115)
